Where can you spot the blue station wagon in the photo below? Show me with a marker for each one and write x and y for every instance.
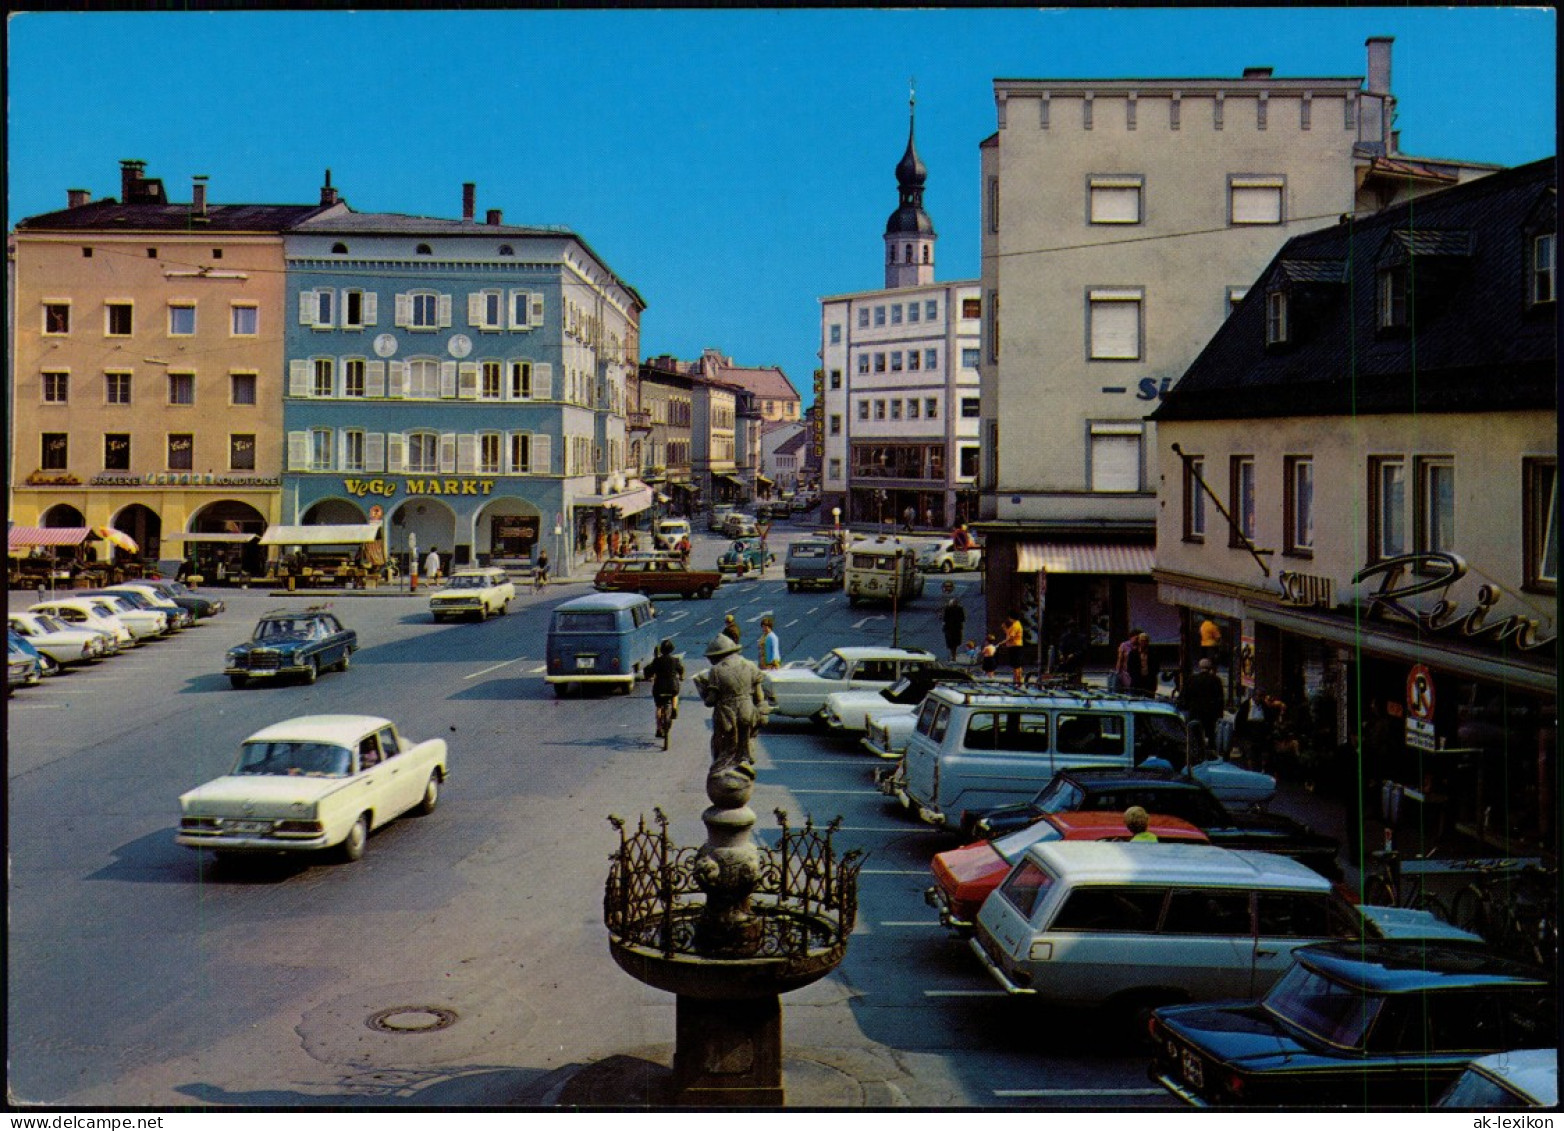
(605, 638)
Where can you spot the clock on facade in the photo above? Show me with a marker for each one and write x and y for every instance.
(460, 345)
(385, 345)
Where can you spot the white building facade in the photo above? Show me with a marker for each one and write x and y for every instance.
(900, 408)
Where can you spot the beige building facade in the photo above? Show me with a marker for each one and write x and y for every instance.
(148, 365)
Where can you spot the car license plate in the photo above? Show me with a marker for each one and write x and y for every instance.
(249, 826)
(586, 663)
(1193, 1075)
(261, 673)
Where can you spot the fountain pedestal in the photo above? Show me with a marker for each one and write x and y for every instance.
(727, 1053)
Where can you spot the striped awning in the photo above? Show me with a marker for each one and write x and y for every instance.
(22, 536)
(1084, 557)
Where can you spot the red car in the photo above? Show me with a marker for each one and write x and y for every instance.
(964, 876)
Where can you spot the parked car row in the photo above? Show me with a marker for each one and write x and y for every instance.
(1228, 943)
(83, 626)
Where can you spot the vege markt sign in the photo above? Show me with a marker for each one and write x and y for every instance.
(385, 488)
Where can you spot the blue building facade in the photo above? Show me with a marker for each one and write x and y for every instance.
(461, 383)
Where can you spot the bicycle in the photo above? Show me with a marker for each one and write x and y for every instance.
(539, 579)
(667, 709)
(1513, 905)
(1385, 888)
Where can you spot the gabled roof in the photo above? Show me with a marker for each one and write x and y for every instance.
(111, 216)
(768, 382)
(791, 445)
(1474, 345)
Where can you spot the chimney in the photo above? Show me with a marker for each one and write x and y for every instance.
(198, 195)
(76, 197)
(469, 200)
(1379, 63)
(129, 179)
(328, 195)
(496, 217)
(1259, 73)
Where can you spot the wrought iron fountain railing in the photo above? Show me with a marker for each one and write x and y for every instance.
(806, 897)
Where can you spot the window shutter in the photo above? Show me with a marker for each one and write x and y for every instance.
(535, 310)
(442, 308)
(374, 379)
(398, 383)
(342, 449)
(513, 299)
(374, 451)
(1116, 458)
(371, 303)
(339, 378)
(542, 456)
(467, 380)
(447, 452)
(299, 377)
(404, 311)
(466, 454)
(1257, 200)
(298, 451)
(1115, 203)
(448, 378)
(396, 451)
(306, 308)
(543, 381)
(1115, 329)
(475, 309)
(512, 465)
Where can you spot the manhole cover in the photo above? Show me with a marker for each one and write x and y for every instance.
(411, 1019)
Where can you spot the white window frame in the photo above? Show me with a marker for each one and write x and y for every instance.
(56, 386)
(109, 307)
(1115, 199)
(350, 454)
(421, 439)
(1391, 296)
(111, 378)
(355, 377)
(323, 377)
(1544, 268)
(44, 307)
(321, 454)
(234, 376)
(367, 304)
(186, 376)
(1245, 506)
(1108, 310)
(1387, 478)
(1300, 505)
(1276, 327)
(1436, 524)
(1194, 499)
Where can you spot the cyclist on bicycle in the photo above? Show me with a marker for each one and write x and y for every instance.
(667, 675)
(540, 571)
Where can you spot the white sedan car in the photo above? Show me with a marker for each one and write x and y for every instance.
(474, 592)
(61, 642)
(314, 783)
(82, 612)
(143, 621)
(800, 690)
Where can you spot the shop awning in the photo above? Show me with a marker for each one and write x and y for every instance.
(349, 535)
(733, 479)
(633, 500)
(1085, 557)
(216, 536)
(661, 498)
(25, 536)
(764, 479)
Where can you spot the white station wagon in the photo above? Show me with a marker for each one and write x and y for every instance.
(479, 593)
(800, 690)
(313, 783)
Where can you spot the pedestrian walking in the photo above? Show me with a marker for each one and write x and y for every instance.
(1143, 667)
(730, 629)
(1015, 647)
(1072, 655)
(432, 564)
(906, 519)
(770, 646)
(988, 655)
(954, 619)
(1119, 678)
(1210, 639)
(1203, 698)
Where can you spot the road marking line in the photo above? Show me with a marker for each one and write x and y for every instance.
(791, 623)
(38, 706)
(495, 667)
(858, 625)
(677, 616)
(965, 993)
(539, 670)
(1035, 1093)
(698, 623)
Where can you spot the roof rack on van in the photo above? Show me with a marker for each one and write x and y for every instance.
(998, 689)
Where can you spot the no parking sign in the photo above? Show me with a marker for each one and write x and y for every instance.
(1420, 693)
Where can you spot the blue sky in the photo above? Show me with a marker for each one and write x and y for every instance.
(733, 166)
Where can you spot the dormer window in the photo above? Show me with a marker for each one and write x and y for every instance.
(1393, 297)
(1276, 318)
(1544, 269)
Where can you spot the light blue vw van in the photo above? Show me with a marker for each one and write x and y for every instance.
(605, 638)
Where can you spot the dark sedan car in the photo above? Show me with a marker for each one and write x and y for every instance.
(1354, 1025)
(1168, 793)
(292, 642)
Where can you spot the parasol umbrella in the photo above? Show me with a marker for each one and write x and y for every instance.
(118, 538)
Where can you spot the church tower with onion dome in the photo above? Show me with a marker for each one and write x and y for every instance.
(909, 233)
